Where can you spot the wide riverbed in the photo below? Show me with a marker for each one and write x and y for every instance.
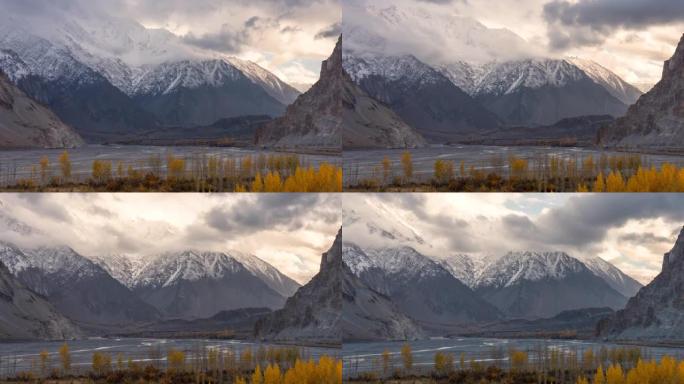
(16, 357)
(359, 165)
(364, 357)
(17, 164)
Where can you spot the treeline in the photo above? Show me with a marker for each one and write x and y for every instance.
(622, 365)
(614, 173)
(251, 173)
(264, 365)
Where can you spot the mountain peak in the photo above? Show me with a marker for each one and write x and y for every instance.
(676, 252)
(676, 62)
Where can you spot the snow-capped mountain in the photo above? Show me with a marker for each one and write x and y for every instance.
(411, 280)
(192, 284)
(120, 266)
(76, 286)
(191, 93)
(617, 279)
(543, 284)
(267, 273)
(540, 91)
(422, 96)
(79, 59)
(367, 220)
(622, 90)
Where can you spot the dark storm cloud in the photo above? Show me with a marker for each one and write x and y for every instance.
(585, 220)
(229, 40)
(643, 238)
(331, 32)
(42, 206)
(291, 211)
(590, 22)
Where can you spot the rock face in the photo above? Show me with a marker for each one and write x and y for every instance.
(542, 284)
(25, 123)
(25, 315)
(313, 313)
(420, 287)
(335, 108)
(314, 120)
(656, 120)
(657, 310)
(369, 315)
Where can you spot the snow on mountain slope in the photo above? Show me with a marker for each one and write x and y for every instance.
(170, 268)
(617, 279)
(167, 77)
(119, 49)
(61, 260)
(622, 90)
(120, 266)
(278, 89)
(443, 36)
(371, 222)
(267, 273)
(508, 77)
(404, 261)
(406, 68)
(515, 267)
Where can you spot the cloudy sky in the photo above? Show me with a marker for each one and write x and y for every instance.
(290, 231)
(632, 231)
(630, 37)
(288, 37)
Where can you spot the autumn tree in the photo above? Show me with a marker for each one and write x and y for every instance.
(407, 357)
(257, 184)
(599, 377)
(65, 357)
(386, 361)
(176, 360)
(65, 165)
(407, 166)
(444, 171)
(257, 376)
(101, 363)
(386, 169)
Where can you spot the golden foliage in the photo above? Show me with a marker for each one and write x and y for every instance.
(101, 364)
(407, 356)
(176, 360)
(444, 171)
(519, 360)
(407, 165)
(65, 165)
(65, 357)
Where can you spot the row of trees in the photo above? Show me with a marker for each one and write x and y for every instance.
(265, 365)
(615, 173)
(258, 173)
(540, 364)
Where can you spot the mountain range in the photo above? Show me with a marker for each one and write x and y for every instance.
(110, 77)
(470, 86)
(119, 293)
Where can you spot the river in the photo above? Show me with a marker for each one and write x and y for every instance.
(24, 356)
(365, 357)
(364, 164)
(17, 164)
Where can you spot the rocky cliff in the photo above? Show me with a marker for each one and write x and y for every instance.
(335, 112)
(369, 315)
(25, 315)
(313, 313)
(656, 120)
(25, 123)
(657, 310)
